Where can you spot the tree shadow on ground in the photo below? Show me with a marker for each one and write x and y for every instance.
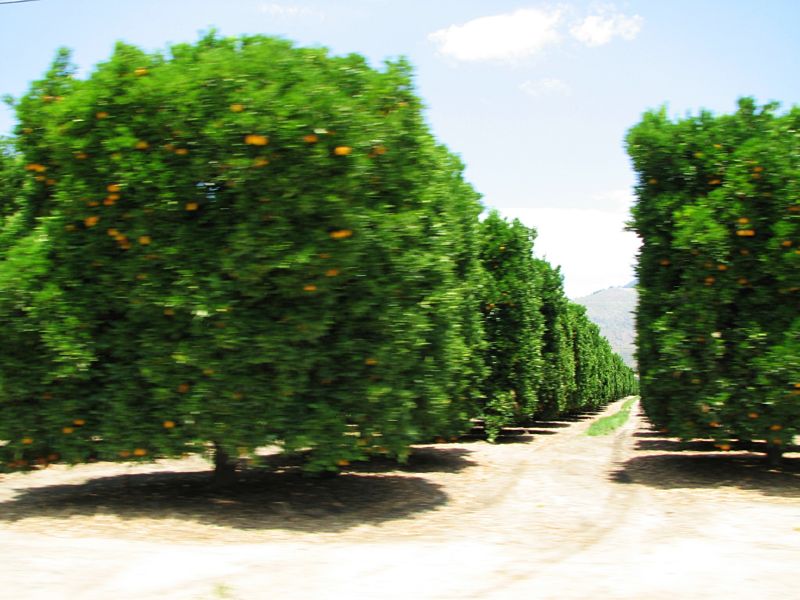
(276, 497)
(669, 463)
(507, 435)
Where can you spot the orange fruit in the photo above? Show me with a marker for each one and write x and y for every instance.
(710, 280)
(236, 107)
(27, 440)
(786, 243)
(775, 427)
(79, 422)
(142, 145)
(144, 240)
(342, 150)
(91, 221)
(101, 114)
(743, 220)
(311, 138)
(190, 206)
(341, 234)
(124, 453)
(260, 162)
(371, 362)
(67, 430)
(255, 139)
(169, 312)
(184, 388)
(81, 155)
(342, 462)
(752, 415)
(331, 272)
(664, 262)
(113, 188)
(139, 452)
(140, 71)
(182, 151)
(722, 267)
(724, 447)
(168, 424)
(110, 200)
(745, 232)
(309, 287)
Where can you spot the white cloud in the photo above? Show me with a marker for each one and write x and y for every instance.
(599, 29)
(275, 9)
(506, 37)
(591, 245)
(546, 87)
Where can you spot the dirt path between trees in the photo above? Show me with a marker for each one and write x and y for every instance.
(546, 513)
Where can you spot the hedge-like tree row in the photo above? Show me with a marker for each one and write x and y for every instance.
(545, 358)
(718, 319)
(236, 244)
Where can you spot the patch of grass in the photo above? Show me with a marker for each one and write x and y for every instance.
(606, 425)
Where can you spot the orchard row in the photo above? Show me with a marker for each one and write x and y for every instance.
(244, 243)
(719, 274)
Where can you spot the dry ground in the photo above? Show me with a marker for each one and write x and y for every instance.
(546, 513)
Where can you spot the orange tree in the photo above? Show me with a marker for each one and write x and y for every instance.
(232, 244)
(557, 384)
(719, 273)
(513, 322)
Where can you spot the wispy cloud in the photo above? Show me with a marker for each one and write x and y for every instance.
(513, 36)
(545, 87)
(276, 9)
(506, 37)
(601, 28)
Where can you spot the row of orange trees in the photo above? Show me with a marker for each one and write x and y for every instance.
(242, 243)
(544, 356)
(719, 273)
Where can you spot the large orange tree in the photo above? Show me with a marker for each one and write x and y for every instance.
(231, 244)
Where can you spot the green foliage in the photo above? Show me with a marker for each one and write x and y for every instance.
(240, 242)
(719, 272)
(512, 321)
(544, 356)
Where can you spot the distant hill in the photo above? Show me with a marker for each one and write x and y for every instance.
(612, 309)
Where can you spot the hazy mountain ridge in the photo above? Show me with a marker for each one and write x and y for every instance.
(613, 311)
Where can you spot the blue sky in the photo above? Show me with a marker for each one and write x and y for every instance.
(535, 97)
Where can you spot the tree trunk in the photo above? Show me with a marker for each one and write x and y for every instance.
(774, 455)
(224, 468)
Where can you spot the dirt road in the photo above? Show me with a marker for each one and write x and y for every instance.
(547, 513)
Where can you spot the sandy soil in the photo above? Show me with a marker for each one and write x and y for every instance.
(546, 513)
